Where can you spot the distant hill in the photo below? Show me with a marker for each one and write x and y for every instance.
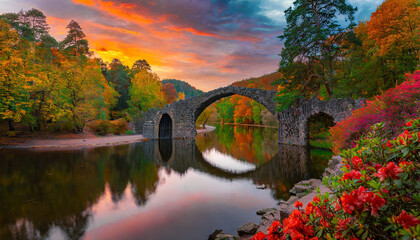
(184, 87)
(263, 82)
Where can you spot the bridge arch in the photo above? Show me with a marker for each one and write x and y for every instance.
(261, 96)
(326, 118)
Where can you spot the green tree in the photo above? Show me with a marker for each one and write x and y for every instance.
(37, 21)
(75, 41)
(310, 43)
(225, 107)
(140, 65)
(119, 76)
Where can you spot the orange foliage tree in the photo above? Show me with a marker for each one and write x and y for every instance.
(170, 93)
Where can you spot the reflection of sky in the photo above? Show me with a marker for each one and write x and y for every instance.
(187, 207)
(227, 162)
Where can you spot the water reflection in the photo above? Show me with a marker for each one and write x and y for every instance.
(227, 162)
(149, 190)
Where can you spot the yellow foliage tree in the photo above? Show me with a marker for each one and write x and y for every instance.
(84, 92)
(145, 92)
(14, 85)
(181, 96)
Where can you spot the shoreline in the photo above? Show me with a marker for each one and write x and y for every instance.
(61, 144)
(84, 141)
(303, 191)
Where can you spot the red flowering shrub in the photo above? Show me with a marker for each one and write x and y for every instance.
(377, 196)
(392, 108)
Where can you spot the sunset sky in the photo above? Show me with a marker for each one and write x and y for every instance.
(209, 44)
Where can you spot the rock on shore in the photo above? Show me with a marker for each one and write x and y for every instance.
(303, 191)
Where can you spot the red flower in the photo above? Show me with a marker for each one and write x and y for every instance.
(377, 166)
(258, 236)
(407, 220)
(390, 170)
(357, 162)
(389, 144)
(274, 228)
(406, 166)
(298, 204)
(309, 209)
(409, 124)
(357, 200)
(352, 175)
(376, 202)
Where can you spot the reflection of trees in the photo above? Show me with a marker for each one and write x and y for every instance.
(251, 144)
(40, 190)
(144, 178)
(117, 171)
(74, 225)
(43, 190)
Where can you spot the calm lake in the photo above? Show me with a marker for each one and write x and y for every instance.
(179, 189)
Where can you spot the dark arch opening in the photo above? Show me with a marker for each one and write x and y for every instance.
(318, 126)
(165, 149)
(165, 127)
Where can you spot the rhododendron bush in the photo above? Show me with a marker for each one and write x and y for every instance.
(392, 107)
(376, 197)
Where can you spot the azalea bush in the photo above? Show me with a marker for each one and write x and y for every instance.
(376, 197)
(392, 108)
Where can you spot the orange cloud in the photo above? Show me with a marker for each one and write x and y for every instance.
(120, 30)
(121, 10)
(127, 11)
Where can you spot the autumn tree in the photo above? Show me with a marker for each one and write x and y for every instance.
(170, 93)
(209, 113)
(310, 43)
(31, 25)
(181, 96)
(382, 50)
(14, 84)
(140, 65)
(225, 107)
(393, 28)
(84, 93)
(145, 93)
(75, 41)
(243, 111)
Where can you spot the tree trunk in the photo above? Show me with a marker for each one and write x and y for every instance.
(11, 127)
(205, 121)
(330, 79)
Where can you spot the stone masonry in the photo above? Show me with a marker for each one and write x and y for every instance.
(293, 123)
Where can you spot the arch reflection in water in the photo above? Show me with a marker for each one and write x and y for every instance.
(165, 149)
(99, 193)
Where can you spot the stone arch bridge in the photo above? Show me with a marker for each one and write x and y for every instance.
(177, 120)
